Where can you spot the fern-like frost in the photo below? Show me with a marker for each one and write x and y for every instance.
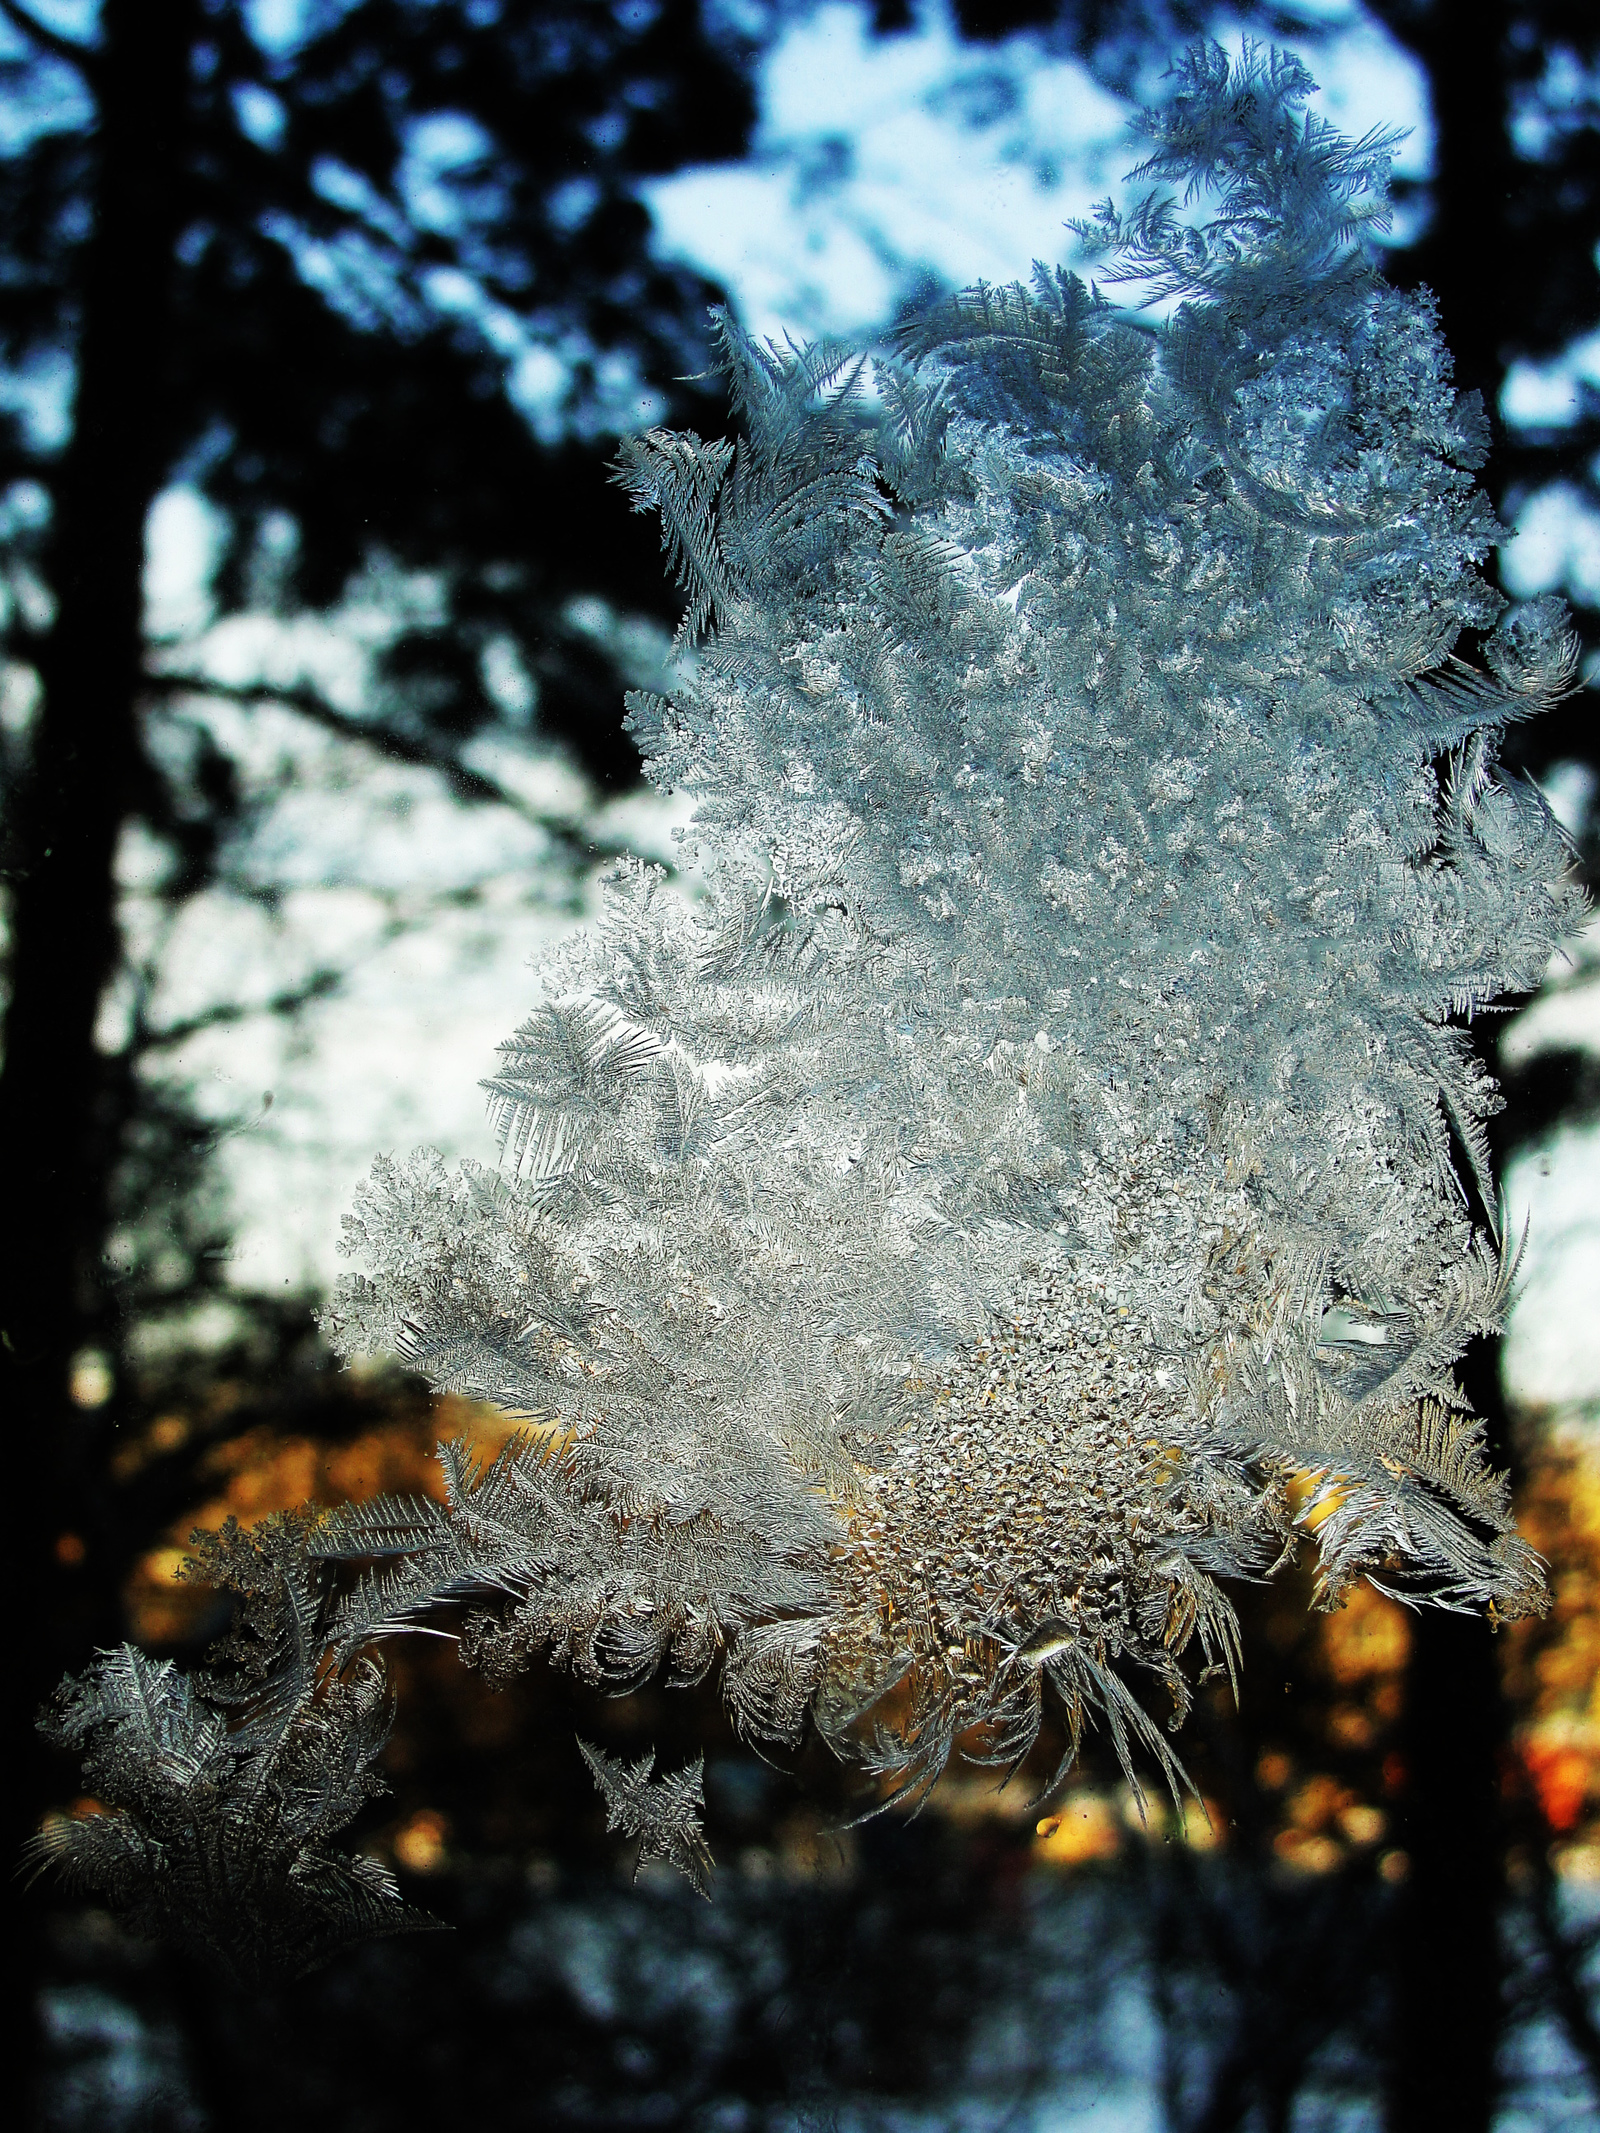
(664, 1812)
(1046, 1176)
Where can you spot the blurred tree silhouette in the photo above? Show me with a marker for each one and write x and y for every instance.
(1508, 246)
(295, 273)
(1506, 235)
(378, 285)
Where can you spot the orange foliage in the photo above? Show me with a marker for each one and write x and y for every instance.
(1553, 1666)
(1324, 1768)
(263, 1470)
(1369, 1636)
(1086, 1828)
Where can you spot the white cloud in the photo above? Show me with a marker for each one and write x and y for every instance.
(1551, 1356)
(181, 540)
(882, 162)
(1551, 395)
(1365, 79)
(1555, 547)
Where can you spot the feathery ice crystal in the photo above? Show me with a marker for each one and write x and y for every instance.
(926, 1262)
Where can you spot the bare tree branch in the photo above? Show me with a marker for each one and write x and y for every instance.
(51, 41)
(1569, 1991)
(464, 783)
(228, 1012)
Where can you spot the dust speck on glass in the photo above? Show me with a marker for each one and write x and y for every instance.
(1046, 1176)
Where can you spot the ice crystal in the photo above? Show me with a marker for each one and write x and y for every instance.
(216, 1797)
(1045, 1176)
(664, 1812)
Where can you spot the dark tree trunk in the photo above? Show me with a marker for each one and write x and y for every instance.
(1446, 2001)
(58, 1129)
(1463, 45)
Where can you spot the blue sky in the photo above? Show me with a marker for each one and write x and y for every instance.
(878, 166)
(883, 163)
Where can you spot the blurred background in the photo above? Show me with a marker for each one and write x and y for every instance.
(319, 323)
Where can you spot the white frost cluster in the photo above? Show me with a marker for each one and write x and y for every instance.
(1047, 1172)
(1057, 1134)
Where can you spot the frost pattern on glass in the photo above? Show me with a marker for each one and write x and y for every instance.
(1046, 1175)
(220, 1792)
(664, 1812)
